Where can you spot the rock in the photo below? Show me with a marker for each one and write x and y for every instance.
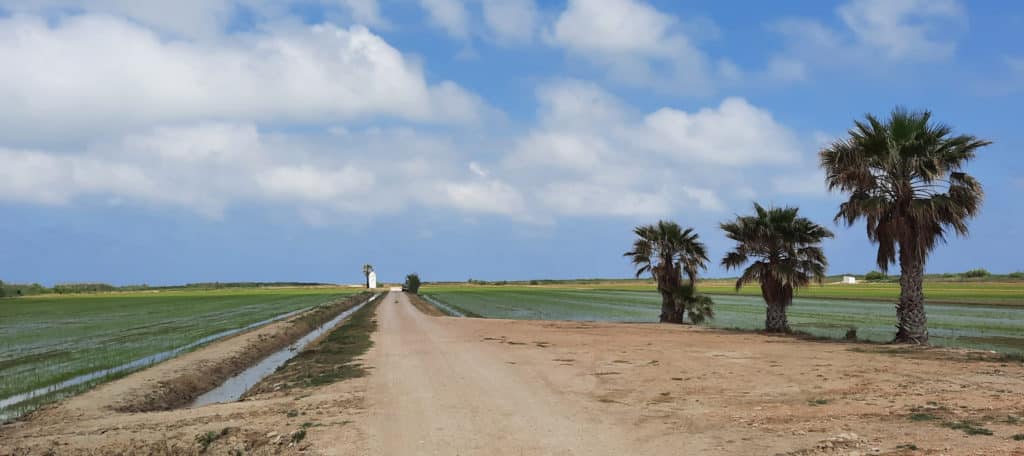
(271, 434)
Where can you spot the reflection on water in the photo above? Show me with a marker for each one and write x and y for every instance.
(233, 388)
(131, 366)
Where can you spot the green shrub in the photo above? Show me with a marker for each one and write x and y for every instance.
(412, 283)
(1017, 275)
(975, 273)
(968, 427)
(874, 275)
(205, 440)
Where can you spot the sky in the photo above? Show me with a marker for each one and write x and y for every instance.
(166, 142)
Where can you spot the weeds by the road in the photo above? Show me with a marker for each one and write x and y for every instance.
(968, 427)
(206, 439)
(181, 390)
(331, 360)
(424, 306)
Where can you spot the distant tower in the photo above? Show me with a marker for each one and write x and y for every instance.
(373, 279)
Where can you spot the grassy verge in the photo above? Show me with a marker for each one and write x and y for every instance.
(331, 360)
(423, 306)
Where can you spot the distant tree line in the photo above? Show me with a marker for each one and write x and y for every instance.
(11, 290)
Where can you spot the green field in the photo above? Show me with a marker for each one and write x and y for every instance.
(1008, 291)
(48, 339)
(998, 326)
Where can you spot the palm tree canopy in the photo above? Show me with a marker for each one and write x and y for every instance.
(667, 248)
(367, 269)
(905, 179)
(784, 246)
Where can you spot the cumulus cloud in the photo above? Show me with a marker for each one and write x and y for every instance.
(615, 162)
(511, 20)
(592, 155)
(734, 133)
(88, 74)
(196, 18)
(330, 121)
(901, 29)
(895, 31)
(636, 43)
(209, 167)
(449, 15)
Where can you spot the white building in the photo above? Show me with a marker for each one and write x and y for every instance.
(373, 279)
(849, 279)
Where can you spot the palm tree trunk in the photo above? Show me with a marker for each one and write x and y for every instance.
(669, 312)
(775, 318)
(777, 299)
(913, 322)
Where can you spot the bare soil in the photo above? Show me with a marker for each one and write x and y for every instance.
(442, 385)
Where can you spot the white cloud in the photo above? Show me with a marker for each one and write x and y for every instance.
(905, 29)
(478, 169)
(488, 196)
(207, 168)
(511, 20)
(593, 199)
(735, 133)
(88, 74)
(875, 32)
(786, 70)
(616, 162)
(636, 43)
(365, 12)
(195, 18)
(306, 183)
(449, 15)
(184, 18)
(807, 183)
(591, 155)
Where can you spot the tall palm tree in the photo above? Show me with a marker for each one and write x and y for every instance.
(787, 255)
(905, 178)
(667, 252)
(367, 269)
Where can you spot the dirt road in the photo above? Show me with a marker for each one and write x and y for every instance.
(463, 386)
(435, 391)
(472, 386)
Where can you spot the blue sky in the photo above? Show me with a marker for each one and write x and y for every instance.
(168, 142)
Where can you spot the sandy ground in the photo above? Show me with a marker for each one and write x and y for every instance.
(493, 387)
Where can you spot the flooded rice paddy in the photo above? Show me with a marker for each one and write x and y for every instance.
(988, 327)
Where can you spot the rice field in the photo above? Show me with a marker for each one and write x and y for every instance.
(49, 339)
(997, 327)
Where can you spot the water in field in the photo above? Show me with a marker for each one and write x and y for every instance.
(8, 402)
(54, 346)
(235, 387)
(999, 328)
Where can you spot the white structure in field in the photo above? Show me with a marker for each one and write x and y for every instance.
(373, 279)
(849, 279)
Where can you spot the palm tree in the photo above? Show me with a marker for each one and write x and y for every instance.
(787, 255)
(667, 252)
(367, 269)
(905, 179)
